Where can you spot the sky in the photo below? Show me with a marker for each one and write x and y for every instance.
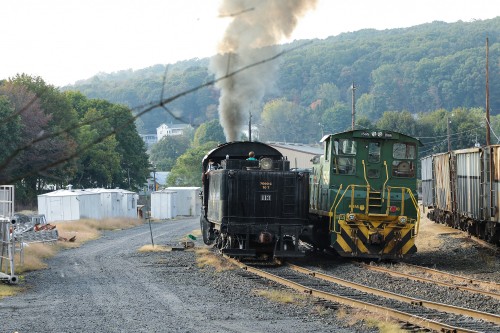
(64, 41)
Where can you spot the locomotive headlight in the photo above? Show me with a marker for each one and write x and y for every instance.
(266, 163)
(351, 217)
(403, 219)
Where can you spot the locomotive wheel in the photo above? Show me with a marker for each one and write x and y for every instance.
(205, 230)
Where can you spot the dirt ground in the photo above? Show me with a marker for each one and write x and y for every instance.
(453, 250)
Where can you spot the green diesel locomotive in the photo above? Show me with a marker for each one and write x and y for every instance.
(363, 194)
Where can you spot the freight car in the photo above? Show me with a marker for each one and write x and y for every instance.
(363, 198)
(461, 189)
(253, 208)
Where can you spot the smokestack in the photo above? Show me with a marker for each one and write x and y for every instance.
(257, 27)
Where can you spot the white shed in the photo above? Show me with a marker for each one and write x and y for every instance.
(116, 202)
(188, 200)
(163, 204)
(67, 205)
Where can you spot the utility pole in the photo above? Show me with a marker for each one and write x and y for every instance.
(487, 96)
(250, 127)
(353, 115)
(448, 132)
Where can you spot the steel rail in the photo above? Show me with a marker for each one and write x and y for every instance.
(465, 279)
(422, 279)
(402, 298)
(399, 315)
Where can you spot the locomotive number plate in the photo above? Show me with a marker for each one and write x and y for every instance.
(265, 197)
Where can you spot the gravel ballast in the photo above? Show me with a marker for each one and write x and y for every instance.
(108, 286)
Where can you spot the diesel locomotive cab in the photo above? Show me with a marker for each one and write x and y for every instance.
(254, 208)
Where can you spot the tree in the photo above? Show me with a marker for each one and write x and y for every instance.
(337, 118)
(47, 142)
(98, 165)
(328, 94)
(402, 122)
(282, 120)
(11, 128)
(164, 153)
(187, 169)
(209, 131)
(117, 122)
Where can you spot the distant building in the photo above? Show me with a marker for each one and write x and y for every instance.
(149, 139)
(170, 130)
(299, 155)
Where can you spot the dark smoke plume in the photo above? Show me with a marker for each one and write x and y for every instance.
(256, 29)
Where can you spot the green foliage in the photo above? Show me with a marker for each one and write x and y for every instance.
(402, 122)
(164, 153)
(10, 128)
(285, 121)
(209, 131)
(419, 69)
(126, 161)
(187, 170)
(337, 118)
(54, 138)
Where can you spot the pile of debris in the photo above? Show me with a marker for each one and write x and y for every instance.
(34, 229)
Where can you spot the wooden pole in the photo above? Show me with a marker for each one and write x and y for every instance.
(353, 115)
(487, 96)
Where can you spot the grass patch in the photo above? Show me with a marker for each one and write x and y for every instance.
(280, 296)
(384, 324)
(156, 248)
(85, 230)
(8, 290)
(206, 258)
(34, 256)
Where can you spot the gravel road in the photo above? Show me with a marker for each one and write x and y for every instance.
(108, 286)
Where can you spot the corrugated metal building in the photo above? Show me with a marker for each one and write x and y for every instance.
(69, 205)
(187, 200)
(163, 204)
(299, 155)
(117, 202)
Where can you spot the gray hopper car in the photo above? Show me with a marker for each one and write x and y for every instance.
(461, 189)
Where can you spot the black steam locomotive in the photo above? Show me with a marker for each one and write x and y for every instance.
(255, 208)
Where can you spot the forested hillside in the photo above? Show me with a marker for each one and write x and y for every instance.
(419, 69)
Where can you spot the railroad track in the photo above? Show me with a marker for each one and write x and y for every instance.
(444, 279)
(421, 313)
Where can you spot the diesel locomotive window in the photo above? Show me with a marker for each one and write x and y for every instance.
(344, 165)
(343, 162)
(405, 169)
(374, 152)
(402, 150)
(344, 147)
(403, 154)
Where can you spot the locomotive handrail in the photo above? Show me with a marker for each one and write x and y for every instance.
(414, 201)
(335, 200)
(386, 180)
(353, 186)
(364, 172)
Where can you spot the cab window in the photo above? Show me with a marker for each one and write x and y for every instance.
(374, 152)
(344, 160)
(402, 150)
(403, 164)
(344, 147)
(404, 169)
